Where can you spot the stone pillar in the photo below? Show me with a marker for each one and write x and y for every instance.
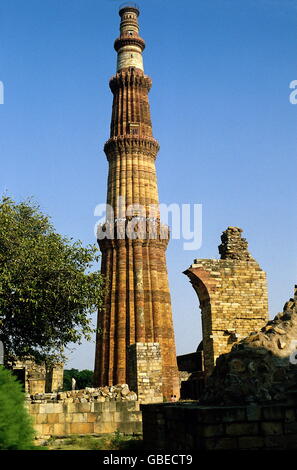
(54, 378)
(145, 372)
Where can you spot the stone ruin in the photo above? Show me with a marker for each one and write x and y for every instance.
(232, 293)
(120, 392)
(233, 245)
(37, 377)
(260, 368)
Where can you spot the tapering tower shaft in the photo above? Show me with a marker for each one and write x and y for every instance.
(137, 304)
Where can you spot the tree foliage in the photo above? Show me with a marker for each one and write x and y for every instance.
(16, 431)
(84, 378)
(47, 286)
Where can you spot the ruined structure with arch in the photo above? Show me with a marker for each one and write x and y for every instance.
(232, 293)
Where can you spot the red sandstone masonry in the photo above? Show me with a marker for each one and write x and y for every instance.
(137, 306)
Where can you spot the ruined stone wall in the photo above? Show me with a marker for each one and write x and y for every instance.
(260, 368)
(55, 376)
(145, 372)
(62, 419)
(188, 426)
(88, 411)
(233, 296)
(37, 378)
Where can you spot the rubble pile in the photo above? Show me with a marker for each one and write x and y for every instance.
(120, 392)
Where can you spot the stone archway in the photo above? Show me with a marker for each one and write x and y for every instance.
(202, 291)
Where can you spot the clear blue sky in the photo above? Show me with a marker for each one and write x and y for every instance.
(220, 106)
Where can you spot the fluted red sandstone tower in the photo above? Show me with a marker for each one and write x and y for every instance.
(137, 306)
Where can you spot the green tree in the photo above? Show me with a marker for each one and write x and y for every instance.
(84, 378)
(16, 431)
(47, 287)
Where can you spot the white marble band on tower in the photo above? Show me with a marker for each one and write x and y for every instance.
(129, 45)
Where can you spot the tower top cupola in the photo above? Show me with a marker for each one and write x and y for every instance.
(129, 45)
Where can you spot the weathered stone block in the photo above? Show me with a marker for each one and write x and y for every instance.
(290, 415)
(84, 407)
(108, 417)
(253, 413)
(233, 414)
(130, 428)
(116, 416)
(79, 417)
(222, 443)
(291, 441)
(41, 419)
(255, 442)
(104, 427)
(34, 408)
(70, 407)
(206, 414)
(106, 406)
(119, 405)
(273, 413)
(272, 428)
(212, 430)
(136, 416)
(68, 417)
(290, 428)
(59, 429)
(52, 418)
(38, 429)
(275, 442)
(47, 429)
(54, 408)
(81, 428)
(42, 408)
(62, 418)
(242, 429)
(98, 407)
(92, 417)
(111, 406)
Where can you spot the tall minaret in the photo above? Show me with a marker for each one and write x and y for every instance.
(137, 305)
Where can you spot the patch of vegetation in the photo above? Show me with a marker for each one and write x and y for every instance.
(115, 441)
(84, 378)
(120, 442)
(47, 282)
(16, 431)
